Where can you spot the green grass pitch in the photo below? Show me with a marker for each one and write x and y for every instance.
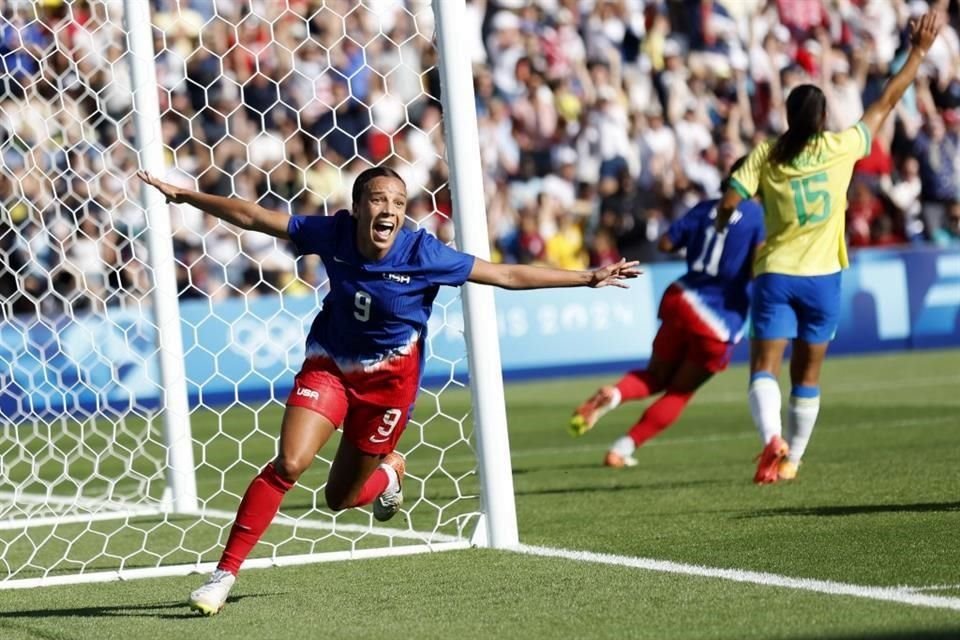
(877, 504)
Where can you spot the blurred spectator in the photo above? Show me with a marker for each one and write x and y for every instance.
(604, 250)
(530, 244)
(904, 195)
(89, 257)
(937, 150)
(802, 16)
(863, 211)
(949, 234)
(565, 247)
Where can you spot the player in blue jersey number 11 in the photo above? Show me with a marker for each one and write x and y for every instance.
(702, 316)
(364, 351)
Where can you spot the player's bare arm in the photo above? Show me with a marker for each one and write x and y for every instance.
(665, 245)
(520, 276)
(923, 33)
(753, 257)
(728, 204)
(242, 213)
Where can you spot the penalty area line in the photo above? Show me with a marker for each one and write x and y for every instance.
(901, 595)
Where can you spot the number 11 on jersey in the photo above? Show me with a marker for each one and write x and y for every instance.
(709, 259)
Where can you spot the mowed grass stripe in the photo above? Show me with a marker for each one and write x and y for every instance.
(721, 437)
(877, 505)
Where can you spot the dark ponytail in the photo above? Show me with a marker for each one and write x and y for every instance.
(806, 114)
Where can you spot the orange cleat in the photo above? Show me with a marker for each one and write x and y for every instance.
(590, 411)
(388, 503)
(769, 461)
(787, 470)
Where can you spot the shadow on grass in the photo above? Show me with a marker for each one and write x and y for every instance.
(596, 488)
(162, 611)
(593, 465)
(856, 510)
(937, 634)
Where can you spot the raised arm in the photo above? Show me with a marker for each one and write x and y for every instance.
(665, 244)
(244, 214)
(521, 276)
(728, 204)
(742, 183)
(922, 35)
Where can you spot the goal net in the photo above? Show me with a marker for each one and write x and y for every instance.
(129, 434)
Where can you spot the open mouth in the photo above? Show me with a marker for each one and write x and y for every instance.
(383, 229)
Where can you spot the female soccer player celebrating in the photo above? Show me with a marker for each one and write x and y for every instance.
(802, 179)
(364, 352)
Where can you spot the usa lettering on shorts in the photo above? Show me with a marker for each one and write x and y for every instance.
(308, 393)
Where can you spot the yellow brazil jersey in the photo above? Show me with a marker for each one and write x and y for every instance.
(805, 202)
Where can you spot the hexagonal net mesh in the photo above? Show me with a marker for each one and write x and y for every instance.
(282, 102)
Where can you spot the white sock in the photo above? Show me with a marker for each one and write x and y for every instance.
(624, 446)
(765, 401)
(615, 399)
(393, 485)
(801, 418)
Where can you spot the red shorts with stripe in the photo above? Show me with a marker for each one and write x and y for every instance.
(372, 406)
(684, 337)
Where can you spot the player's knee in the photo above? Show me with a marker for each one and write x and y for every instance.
(681, 392)
(806, 379)
(660, 372)
(336, 499)
(290, 469)
(805, 371)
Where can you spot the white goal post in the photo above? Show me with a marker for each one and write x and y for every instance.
(146, 351)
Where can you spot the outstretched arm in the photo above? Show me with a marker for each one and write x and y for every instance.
(521, 276)
(922, 35)
(242, 213)
(666, 245)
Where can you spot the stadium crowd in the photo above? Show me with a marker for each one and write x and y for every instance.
(600, 122)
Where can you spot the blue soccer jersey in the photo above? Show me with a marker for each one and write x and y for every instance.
(375, 309)
(718, 279)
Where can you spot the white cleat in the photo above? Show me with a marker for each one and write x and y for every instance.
(617, 461)
(210, 598)
(620, 454)
(388, 503)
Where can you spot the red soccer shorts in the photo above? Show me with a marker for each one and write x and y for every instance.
(684, 337)
(371, 407)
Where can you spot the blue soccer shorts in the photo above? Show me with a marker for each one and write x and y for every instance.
(804, 307)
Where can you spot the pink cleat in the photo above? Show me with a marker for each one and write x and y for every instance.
(769, 461)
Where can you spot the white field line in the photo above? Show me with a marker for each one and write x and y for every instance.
(901, 595)
(933, 587)
(206, 567)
